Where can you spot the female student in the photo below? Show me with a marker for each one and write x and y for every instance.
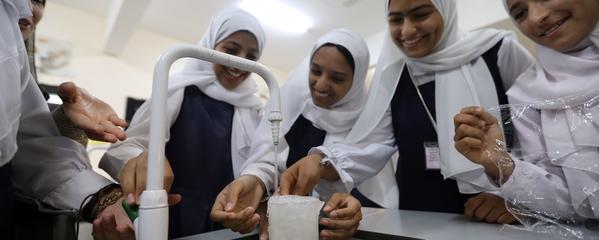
(557, 174)
(428, 71)
(320, 102)
(213, 111)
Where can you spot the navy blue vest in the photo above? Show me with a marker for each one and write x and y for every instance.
(199, 151)
(6, 201)
(422, 189)
(301, 138)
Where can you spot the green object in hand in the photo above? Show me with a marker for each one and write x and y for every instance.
(131, 210)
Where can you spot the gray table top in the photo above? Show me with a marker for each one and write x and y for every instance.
(417, 224)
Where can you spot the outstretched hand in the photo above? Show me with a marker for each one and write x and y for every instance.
(96, 118)
(236, 204)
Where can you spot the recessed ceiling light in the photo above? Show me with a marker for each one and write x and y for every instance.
(277, 14)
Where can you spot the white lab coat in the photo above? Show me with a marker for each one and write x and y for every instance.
(541, 185)
(47, 166)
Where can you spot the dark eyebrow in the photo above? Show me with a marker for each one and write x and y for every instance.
(336, 73)
(237, 45)
(396, 14)
(414, 9)
(514, 6)
(233, 43)
(253, 51)
(340, 74)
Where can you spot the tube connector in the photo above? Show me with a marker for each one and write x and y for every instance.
(153, 215)
(275, 119)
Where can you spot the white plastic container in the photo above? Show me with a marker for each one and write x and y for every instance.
(293, 217)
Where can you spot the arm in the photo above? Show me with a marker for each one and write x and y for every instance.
(236, 205)
(357, 162)
(554, 184)
(261, 161)
(67, 128)
(127, 161)
(138, 133)
(549, 195)
(534, 185)
(50, 168)
(54, 169)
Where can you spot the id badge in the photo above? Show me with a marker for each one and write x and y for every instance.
(433, 156)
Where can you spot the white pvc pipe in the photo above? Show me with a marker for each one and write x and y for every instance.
(154, 208)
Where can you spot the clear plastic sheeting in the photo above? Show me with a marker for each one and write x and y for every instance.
(548, 162)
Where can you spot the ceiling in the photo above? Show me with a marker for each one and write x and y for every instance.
(186, 20)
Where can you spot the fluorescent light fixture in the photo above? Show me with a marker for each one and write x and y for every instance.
(278, 15)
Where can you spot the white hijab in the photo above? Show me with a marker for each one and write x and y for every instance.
(200, 73)
(461, 79)
(12, 55)
(560, 74)
(342, 115)
(565, 87)
(17, 9)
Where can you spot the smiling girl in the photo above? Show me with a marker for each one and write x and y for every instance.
(557, 174)
(213, 111)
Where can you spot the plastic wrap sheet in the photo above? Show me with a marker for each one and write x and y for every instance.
(556, 144)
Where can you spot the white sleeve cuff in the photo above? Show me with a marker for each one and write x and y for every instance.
(522, 178)
(117, 156)
(345, 182)
(261, 171)
(70, 194)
